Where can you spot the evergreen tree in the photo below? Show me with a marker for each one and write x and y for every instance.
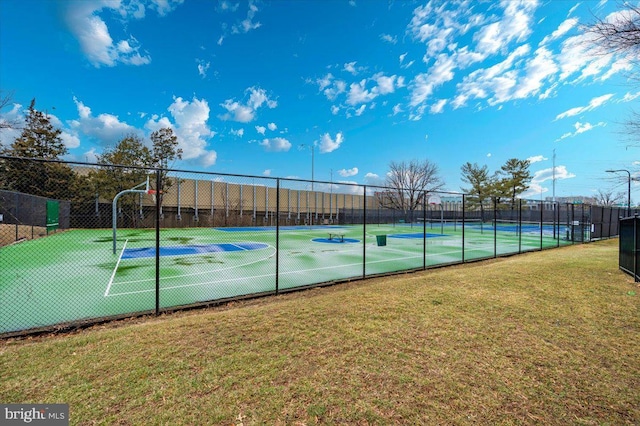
(482, 185)
(39, 140)
(513, 179)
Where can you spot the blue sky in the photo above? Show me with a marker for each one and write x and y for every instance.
(250, 86)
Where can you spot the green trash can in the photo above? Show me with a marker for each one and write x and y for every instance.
(382, 240)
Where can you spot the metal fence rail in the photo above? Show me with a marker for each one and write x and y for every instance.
(191, 238)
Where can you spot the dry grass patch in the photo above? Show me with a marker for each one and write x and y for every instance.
(10, 234)
(543, 338)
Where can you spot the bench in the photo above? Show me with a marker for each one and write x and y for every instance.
(338, 235)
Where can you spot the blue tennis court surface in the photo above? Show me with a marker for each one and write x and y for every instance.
(416, 235)
(136, 253)
(282, 228)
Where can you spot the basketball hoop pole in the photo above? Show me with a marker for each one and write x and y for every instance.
(114, 205)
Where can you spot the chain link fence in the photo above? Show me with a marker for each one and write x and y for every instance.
(133, 241)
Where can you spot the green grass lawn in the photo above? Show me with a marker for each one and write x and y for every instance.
(549, 337)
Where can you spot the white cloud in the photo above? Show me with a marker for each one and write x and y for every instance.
(438, 107)
(373, 179)
(347, 173)
(537, 70)
(389, 38)
(436, 25)
(593, 104)
(544, 175)
(327, 144)
(164, 6)
(496, 83)
(248, 23)
(245, 113)
(225, 6)
(276, 145)
(325, 81)
(359, 94)
(266, 172)
(536, 159)
(562, 29)
(239, 132)
(423, 84)
(581, 128)
(261, 129)
(107, 129)
(190, 127)
(16, 116)
(386, 84)
(272, 126)
(351, 67)
(628, 97)
(203, 67)
(515, 25)
(91, 31)
(360, 110)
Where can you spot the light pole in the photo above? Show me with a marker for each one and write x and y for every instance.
(628, 190)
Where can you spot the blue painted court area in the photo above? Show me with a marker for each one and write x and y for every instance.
(335, 240)
(136, 253)
(416, 235)
(282, 228)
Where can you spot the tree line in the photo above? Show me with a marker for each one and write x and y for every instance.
(124, 165)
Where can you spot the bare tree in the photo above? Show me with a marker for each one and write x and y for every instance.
(6, 99)
(408, 183)
(619, 34)
(609, 198)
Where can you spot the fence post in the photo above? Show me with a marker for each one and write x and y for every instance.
(519, 225)
(463, 224)
(158, 204)
(364, 232)
(635, 247)
(495, 227)
(277, 234)
(541, 222)
(424, 231)
(556, 214)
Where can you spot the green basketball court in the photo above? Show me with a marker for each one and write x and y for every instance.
(74, 275)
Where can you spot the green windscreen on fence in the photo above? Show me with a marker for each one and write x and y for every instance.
(53, 215)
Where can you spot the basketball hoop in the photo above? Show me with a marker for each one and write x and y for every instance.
(153, 193)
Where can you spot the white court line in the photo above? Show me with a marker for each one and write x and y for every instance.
(240, 247)
(193, 274)
(272, 274)
(113, 275)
